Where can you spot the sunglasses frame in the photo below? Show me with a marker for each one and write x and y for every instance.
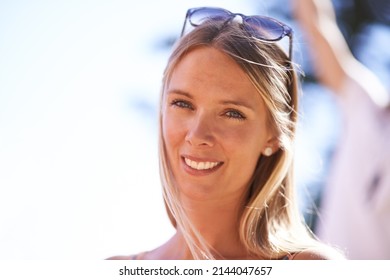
(287, 31)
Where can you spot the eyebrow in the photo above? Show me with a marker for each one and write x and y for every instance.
(238, 103)
(223, 102)
(180, 92)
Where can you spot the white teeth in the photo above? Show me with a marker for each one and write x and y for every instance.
(200, 165)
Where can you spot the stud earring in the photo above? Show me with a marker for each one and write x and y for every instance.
(268, 151)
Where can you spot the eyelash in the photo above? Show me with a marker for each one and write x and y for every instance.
(238, 115)
(182, 104)
(230, 113)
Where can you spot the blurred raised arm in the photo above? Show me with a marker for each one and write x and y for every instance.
(333, 61)
(330, 53)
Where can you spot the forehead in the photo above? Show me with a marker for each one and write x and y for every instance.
(209, 69)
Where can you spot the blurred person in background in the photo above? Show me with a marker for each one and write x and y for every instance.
(355, 205)
(228, 116)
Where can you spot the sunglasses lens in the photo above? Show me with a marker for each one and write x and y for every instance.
(264, 28)
(260, 27)
(200, 16)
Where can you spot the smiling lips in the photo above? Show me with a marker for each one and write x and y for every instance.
(207, 165)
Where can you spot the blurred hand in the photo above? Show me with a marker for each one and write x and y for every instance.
(310, 12)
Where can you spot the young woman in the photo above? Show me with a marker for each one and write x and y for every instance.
(227, 126)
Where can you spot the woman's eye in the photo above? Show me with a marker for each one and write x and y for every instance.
(182, 104)
(233, 114)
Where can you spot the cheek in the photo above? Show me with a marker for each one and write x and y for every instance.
(246, 152)
(245, 141)
(172, 131)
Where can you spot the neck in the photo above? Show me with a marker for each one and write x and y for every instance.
(218, 223)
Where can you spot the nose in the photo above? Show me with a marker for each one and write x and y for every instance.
(201, 131)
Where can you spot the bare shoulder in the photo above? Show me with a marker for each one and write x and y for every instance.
(318, 254)
(129, 257)
(139, 256)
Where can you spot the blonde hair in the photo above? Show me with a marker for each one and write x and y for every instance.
(270, 225)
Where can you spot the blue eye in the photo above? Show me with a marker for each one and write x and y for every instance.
(234, 114)
(182, 104)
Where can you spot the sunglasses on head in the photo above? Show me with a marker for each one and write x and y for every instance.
(260, 27)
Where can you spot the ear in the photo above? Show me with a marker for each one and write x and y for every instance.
(271, 146)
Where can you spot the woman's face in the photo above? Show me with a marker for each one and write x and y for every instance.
(213, 125)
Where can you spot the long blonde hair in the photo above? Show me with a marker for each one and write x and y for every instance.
(270, 225)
